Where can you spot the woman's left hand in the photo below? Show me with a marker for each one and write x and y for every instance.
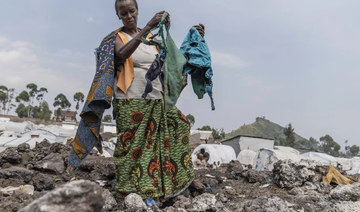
(201, 29)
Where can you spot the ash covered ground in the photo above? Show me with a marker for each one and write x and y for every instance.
(36, 180)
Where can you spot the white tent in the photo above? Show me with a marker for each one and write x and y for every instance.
(355, 166)
(351, 165)
(267, 157)
(217, 153)
(320, 158)
(248, 157)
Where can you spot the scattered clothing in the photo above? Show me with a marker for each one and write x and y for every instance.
(197, 53)
(334, 176)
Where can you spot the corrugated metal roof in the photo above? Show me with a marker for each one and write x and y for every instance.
(17, 142)
(249, 136)
(4, 140)
(26, 130)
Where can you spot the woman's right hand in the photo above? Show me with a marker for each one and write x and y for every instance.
(156, 19)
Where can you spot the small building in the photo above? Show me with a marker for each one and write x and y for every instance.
(198, 137)
(254, 143)
(204, 136)
(66, 115)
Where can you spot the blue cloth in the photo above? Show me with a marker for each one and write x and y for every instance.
(98, 99)
(197, 53)
(150, 202)
(154, 71)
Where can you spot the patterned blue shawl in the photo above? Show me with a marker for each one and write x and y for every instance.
(98, 99)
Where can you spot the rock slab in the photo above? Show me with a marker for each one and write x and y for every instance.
(81, 195)
(346, 192)
(134, 202)
(53, 163)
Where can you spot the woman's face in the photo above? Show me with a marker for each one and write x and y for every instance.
(128, 13)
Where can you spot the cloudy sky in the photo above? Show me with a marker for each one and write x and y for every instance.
(290, 61)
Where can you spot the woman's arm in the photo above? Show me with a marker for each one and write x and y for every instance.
(122, 52)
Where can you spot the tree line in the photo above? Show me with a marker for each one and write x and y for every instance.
(325, 144)
(30, 102)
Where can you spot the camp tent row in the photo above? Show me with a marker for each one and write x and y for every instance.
(261, 154)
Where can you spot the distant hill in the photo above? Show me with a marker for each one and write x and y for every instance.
(262, 128)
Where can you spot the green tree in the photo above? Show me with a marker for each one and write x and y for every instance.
(42, 111)
(3, 98)
(32, 90)
(9, 103)
(78, 97)
(35, 93)
(289, 135)
(313, 144)
(22, 110)
(219, 134)
(107, 118)
(58, 115)
(6, 99)
(191, 119)
(62, 102)
(23, 98)
(205, 128)
(329, 146)
(352, 150)
(40, 94)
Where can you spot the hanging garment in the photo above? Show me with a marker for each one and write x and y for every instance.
(197, 53)
(154, 72)
(174, 80)
(98, 99)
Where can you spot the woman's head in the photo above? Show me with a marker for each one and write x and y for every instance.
(127, 11)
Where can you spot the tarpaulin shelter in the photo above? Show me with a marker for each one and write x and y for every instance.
(217, 153)
(267, 157)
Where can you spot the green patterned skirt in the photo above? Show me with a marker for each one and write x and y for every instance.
(152, 154)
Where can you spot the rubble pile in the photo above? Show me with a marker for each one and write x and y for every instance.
(290, 175)
(36, 180)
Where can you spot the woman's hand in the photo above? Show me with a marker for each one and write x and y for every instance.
(201, 29)
(156, 19)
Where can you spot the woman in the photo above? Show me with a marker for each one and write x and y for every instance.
(152, 154)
